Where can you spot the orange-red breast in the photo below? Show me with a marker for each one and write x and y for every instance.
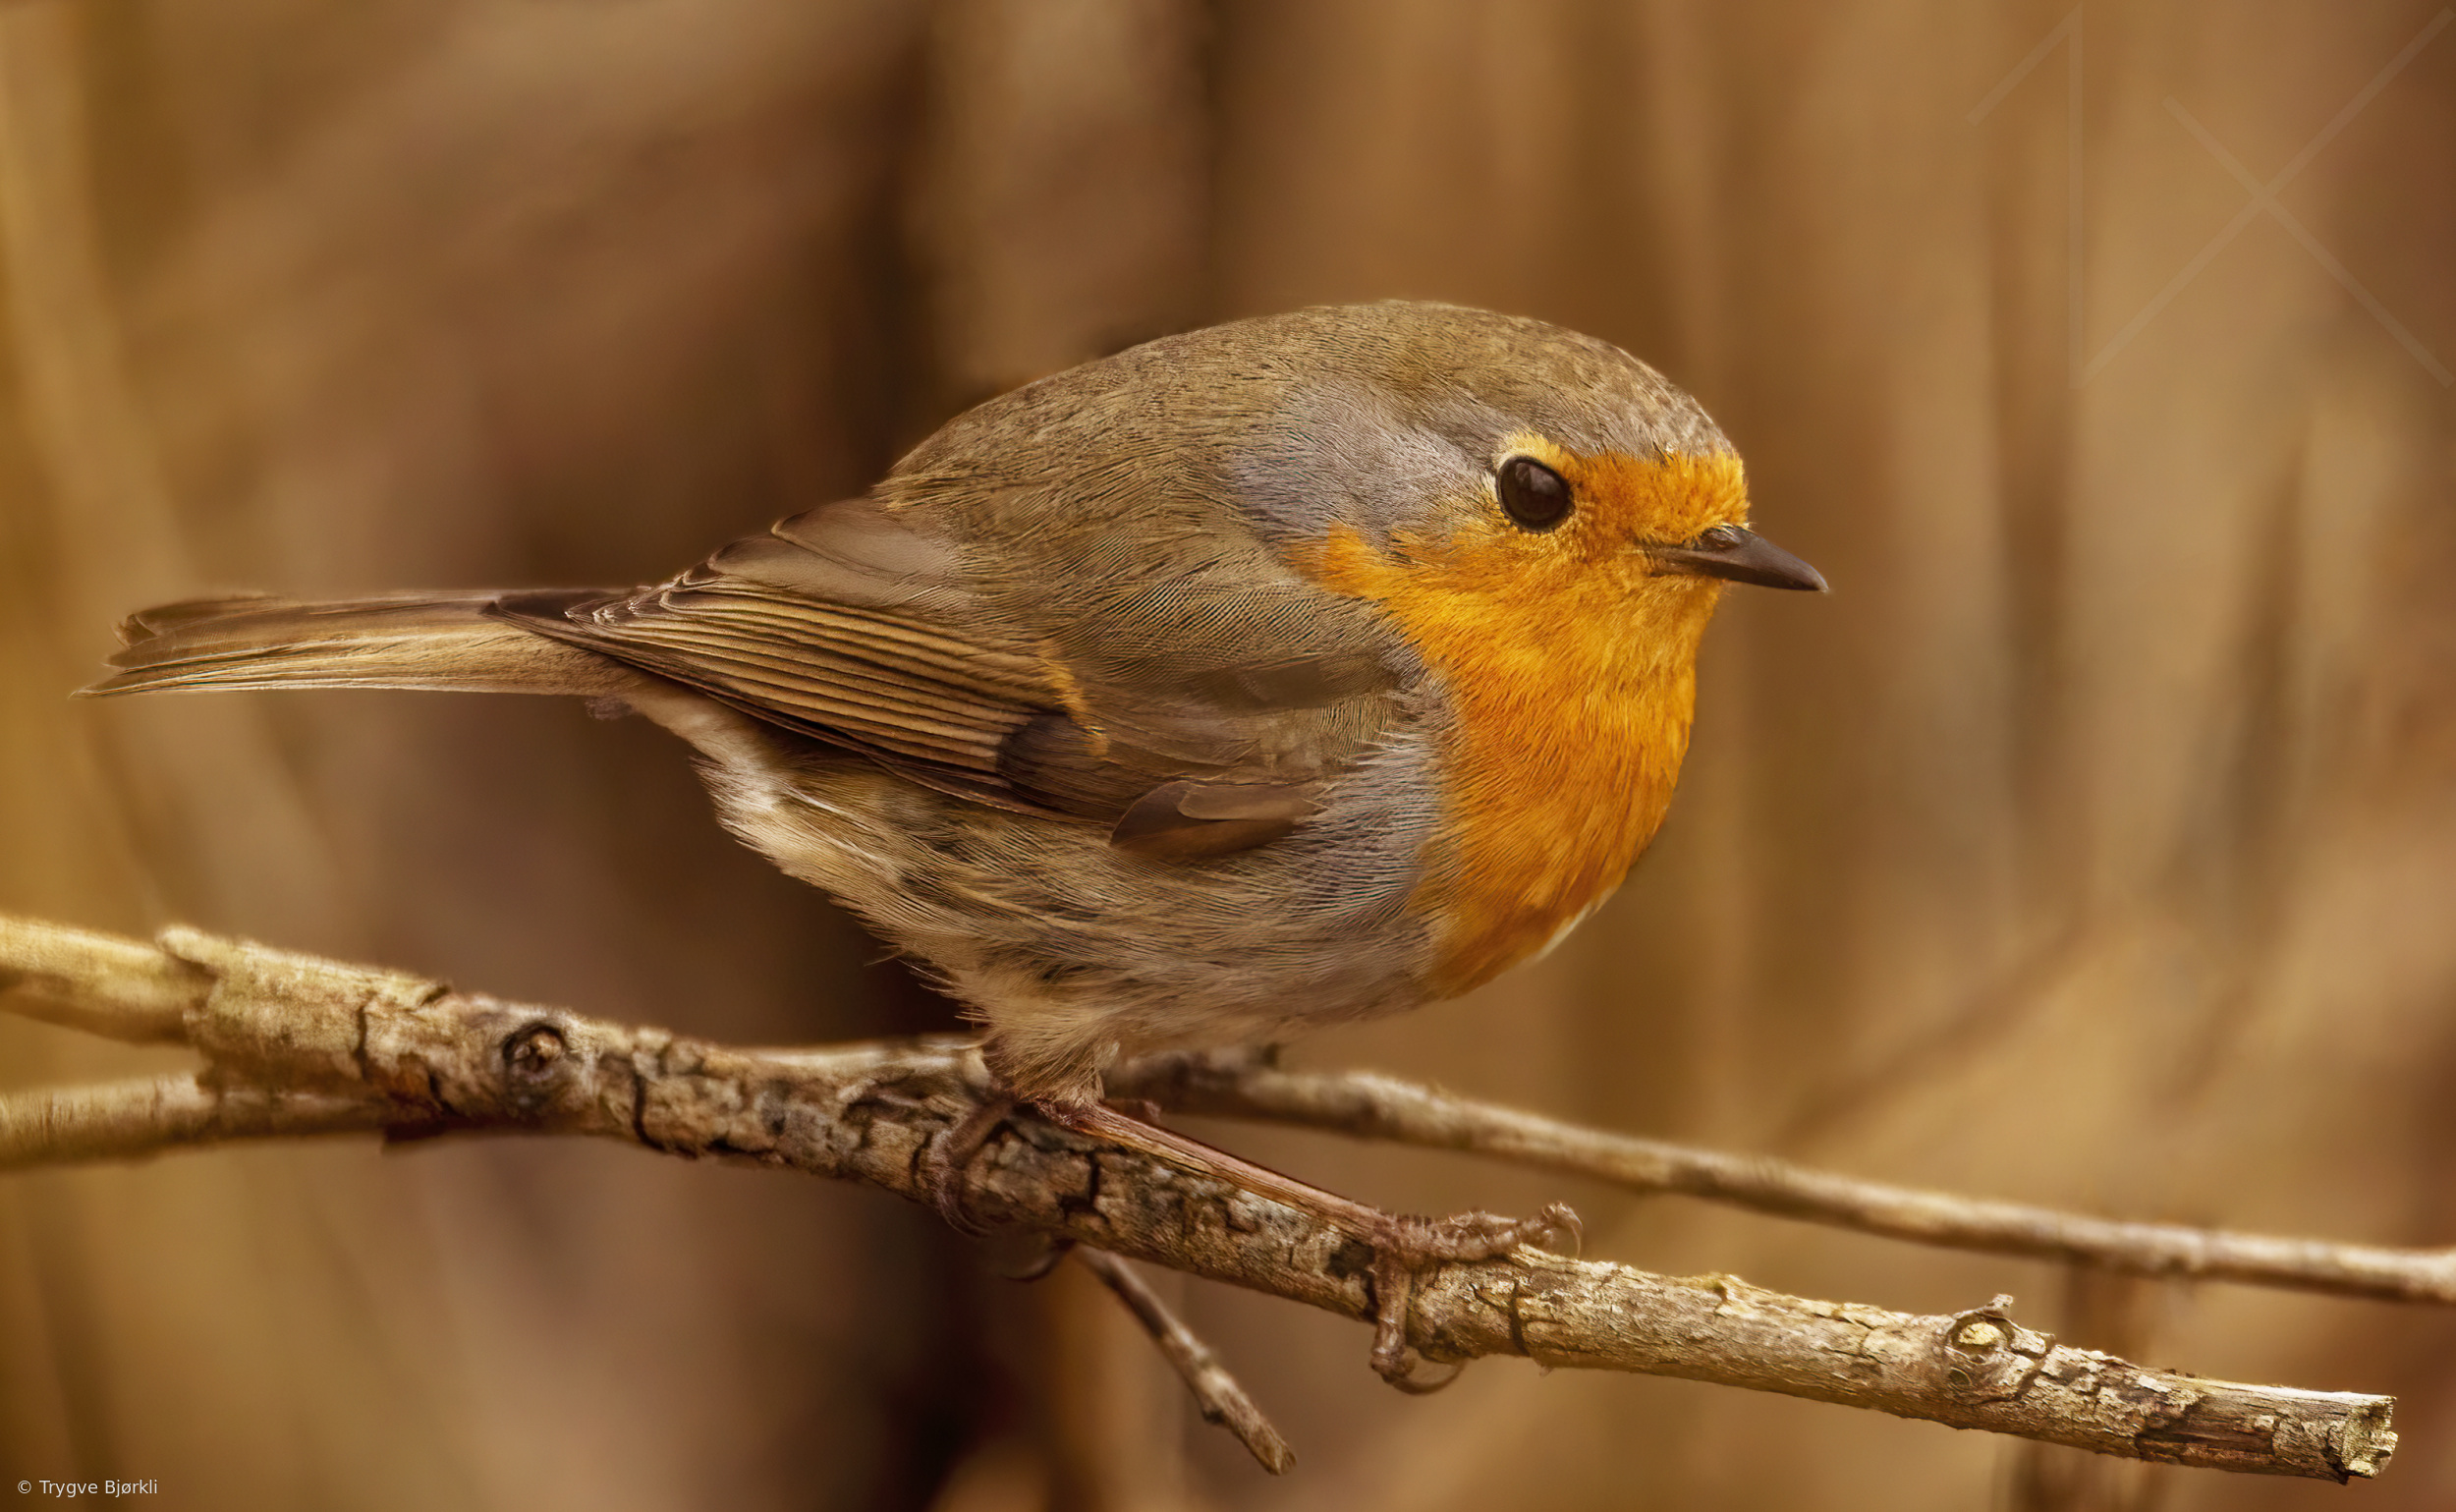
(1296, 670)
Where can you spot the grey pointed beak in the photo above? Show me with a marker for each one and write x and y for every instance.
(1742, 556)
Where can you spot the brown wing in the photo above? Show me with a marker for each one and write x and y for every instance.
(852, 626)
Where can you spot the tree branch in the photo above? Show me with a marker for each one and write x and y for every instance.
(1215, 1392)
(297, 1045)
(1367, 1105)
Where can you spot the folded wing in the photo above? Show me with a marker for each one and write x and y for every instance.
(854, 624)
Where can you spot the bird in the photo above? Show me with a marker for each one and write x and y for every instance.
(1292, 671)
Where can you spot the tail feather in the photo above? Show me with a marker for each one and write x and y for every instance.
(448, 642)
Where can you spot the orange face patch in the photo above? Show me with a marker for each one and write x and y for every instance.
(1624, 500)
(1570, 666)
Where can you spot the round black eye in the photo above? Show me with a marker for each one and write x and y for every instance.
(1536, 496)
(1723, 538)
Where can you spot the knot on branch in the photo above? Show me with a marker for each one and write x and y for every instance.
(1990, 1358)
(537, 1060)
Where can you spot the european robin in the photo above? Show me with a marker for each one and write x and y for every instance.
(1293, 671)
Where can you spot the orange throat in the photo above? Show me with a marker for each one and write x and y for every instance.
(1555, 788)
(1571, 679)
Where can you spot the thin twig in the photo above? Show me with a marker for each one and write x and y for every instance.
(127, 1120)
(295, 1045)
(100, 983)
(1368, 1105)
(1215, 1392)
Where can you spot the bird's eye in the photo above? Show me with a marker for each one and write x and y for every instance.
(1536, 496)
(1723, 538)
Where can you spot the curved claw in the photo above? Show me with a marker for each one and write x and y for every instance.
(1052, 1251)
(1394, 1359)
(1560, 1217)
(951, 1154)
(1408, 1381)
(945, 1181)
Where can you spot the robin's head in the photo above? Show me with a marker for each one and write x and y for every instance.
(1469, 456)
(1499, 451)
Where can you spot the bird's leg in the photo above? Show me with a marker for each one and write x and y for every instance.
(952, 1152)
(942, 1176)
(1403, 1245)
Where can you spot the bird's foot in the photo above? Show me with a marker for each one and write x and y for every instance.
(943, 1169)
(1408, 1248)
(950, 1155)
(1405, 1249)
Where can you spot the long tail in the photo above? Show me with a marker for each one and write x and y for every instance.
(431, 640)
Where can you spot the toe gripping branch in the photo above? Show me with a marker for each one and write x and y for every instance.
(1405, 1248)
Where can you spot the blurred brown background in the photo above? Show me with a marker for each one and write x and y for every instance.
(2093, 844)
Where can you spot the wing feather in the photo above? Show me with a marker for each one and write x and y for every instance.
(855, 625)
